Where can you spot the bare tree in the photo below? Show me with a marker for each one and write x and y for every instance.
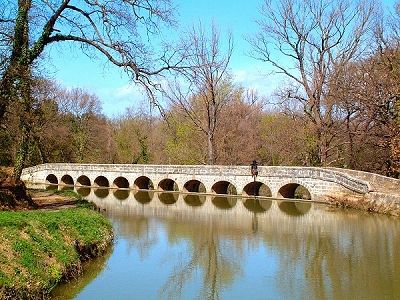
(118, 30)
(308, 41)
(205, 87)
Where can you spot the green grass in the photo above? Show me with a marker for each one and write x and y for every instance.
(38, 249)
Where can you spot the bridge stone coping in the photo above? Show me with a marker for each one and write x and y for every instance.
(318, 181)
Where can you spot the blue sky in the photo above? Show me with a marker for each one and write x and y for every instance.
(72, 69)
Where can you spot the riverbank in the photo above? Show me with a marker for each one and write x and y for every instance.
(40, 248)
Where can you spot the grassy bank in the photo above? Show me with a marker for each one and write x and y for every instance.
(38, 249)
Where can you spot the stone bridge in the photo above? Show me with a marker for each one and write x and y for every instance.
(277, 182)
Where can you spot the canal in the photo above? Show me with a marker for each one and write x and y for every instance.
(189, 246)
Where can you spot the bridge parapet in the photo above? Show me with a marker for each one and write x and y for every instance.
(318, 181)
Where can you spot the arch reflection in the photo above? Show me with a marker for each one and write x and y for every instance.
(121, 194)
(101, 193)
(194, 200)
(257, 206)
(168, 198)
(83, 191)
(294, 208)
(143, 197)
(224, 202)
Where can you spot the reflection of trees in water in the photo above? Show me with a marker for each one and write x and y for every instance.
(218, 260)
(358, 257)
(136, 232)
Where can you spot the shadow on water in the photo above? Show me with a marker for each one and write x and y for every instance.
(91, 269)
(121, 194)
(257, 206)
(168, 198)
(194, 200)
(294, 208)
(224, 202)
(144, 197)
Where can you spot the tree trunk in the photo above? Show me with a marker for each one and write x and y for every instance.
(210, 148)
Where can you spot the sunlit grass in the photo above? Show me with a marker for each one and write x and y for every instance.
(40, 248)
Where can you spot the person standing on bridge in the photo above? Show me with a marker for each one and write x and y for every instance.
(254, 170)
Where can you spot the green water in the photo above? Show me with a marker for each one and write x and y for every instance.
(176, 246)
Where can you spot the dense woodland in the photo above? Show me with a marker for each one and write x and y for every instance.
(339, 107)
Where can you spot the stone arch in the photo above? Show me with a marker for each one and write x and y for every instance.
(194, 186)
(51, 179)
(121, 183)
(224, 187)
(224, 202)
(294, 191)
(168, 198)
(194, 200)
(102, 181)
(292, 208)
(143, 183)
(83, 181)
(143, 197)
(257, 188)
(67, 180)
(168, 184)
(256, 205)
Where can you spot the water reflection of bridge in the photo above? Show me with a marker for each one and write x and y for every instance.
(245, 212)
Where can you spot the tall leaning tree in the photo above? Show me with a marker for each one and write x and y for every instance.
(308, 42)
(119, 30)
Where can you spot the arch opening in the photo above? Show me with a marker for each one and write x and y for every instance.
(67, 180)
(168, 198)
(194, 186)
(121, 183)
(257, 188)
(102, 181)
(224, 202)
(168, 185)
(224, 188)
(143, 183)
(51, 179)
(294, 191)
(83, 180)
